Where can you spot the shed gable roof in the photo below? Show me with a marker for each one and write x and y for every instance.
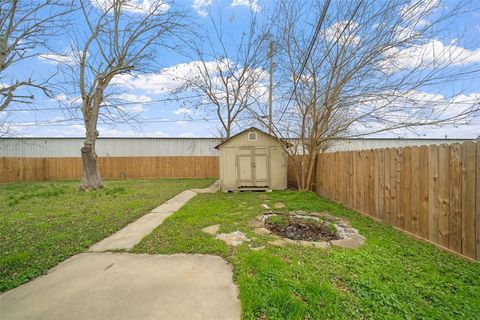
(243, 132)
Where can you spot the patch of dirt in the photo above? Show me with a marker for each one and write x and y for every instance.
(296, 228)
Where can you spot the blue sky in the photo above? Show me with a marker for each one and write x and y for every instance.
(172, 118)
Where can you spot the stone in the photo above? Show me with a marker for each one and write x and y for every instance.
(357, 237)
(321, 244)
(265, 206)
(299, 213)
(346, 243)
(255, 223)
(278, 243)
(316, 214)
(341, 232)
(259, 217)
(261, 231)
(342, 223)
(303, 243)
(213, 230)
(257, 248)
(234, 239)
(266, 216)
(309, 218)
(314, 244)
(279, 205)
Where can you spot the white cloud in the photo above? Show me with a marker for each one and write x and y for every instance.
(183, 111)
(433, 53)
(68, 99)
(252, 4)
(187, 77)
(416, 11)
(135, 6)
(188, 135)
(159, 134)
(133, 103)
(74, 130)
(167, 79)
(182, 123)
(418, 108)
(127, 102)
(342, 32)
(70, 57)
(129, 132)
(201, 6)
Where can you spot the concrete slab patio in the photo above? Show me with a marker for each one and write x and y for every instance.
(128, 286)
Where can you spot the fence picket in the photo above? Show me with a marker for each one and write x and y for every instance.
(415, 190)
(468, 199)
(432, 194)
(455, 197)
(443, 195)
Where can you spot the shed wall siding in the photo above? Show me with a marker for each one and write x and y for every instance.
(278, 164)
(275, 168)
(228, 168)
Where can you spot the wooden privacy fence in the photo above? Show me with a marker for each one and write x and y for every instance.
(34, 169)
(432, 192)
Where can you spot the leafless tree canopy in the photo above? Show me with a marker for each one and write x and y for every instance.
(122, 38)
(228, 72)
(350, 68)
(25, 27)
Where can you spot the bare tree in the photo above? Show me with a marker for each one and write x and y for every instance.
(227, 73)
(25, 29)
(355, 68)
(122, 37)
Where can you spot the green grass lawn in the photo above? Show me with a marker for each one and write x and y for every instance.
(391, 277)
(43, 223)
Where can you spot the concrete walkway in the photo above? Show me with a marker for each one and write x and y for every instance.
(105, 285)
(128, 286)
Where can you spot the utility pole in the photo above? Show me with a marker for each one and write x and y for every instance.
(270, 93)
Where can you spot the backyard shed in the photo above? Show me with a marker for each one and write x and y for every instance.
(252, 160)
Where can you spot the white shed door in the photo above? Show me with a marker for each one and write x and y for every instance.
(261, 167)
(245, 171)
(253, 167)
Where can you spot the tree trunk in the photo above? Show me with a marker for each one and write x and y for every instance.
(91, 177)
(310, 178)
(305, 172)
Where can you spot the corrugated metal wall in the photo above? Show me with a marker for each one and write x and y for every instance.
(109, 147)
(150, 147)
(379, 143)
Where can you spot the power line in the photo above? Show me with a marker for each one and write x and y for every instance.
(67, 123)
(120, 104)
(312, 43)
(309, 50)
